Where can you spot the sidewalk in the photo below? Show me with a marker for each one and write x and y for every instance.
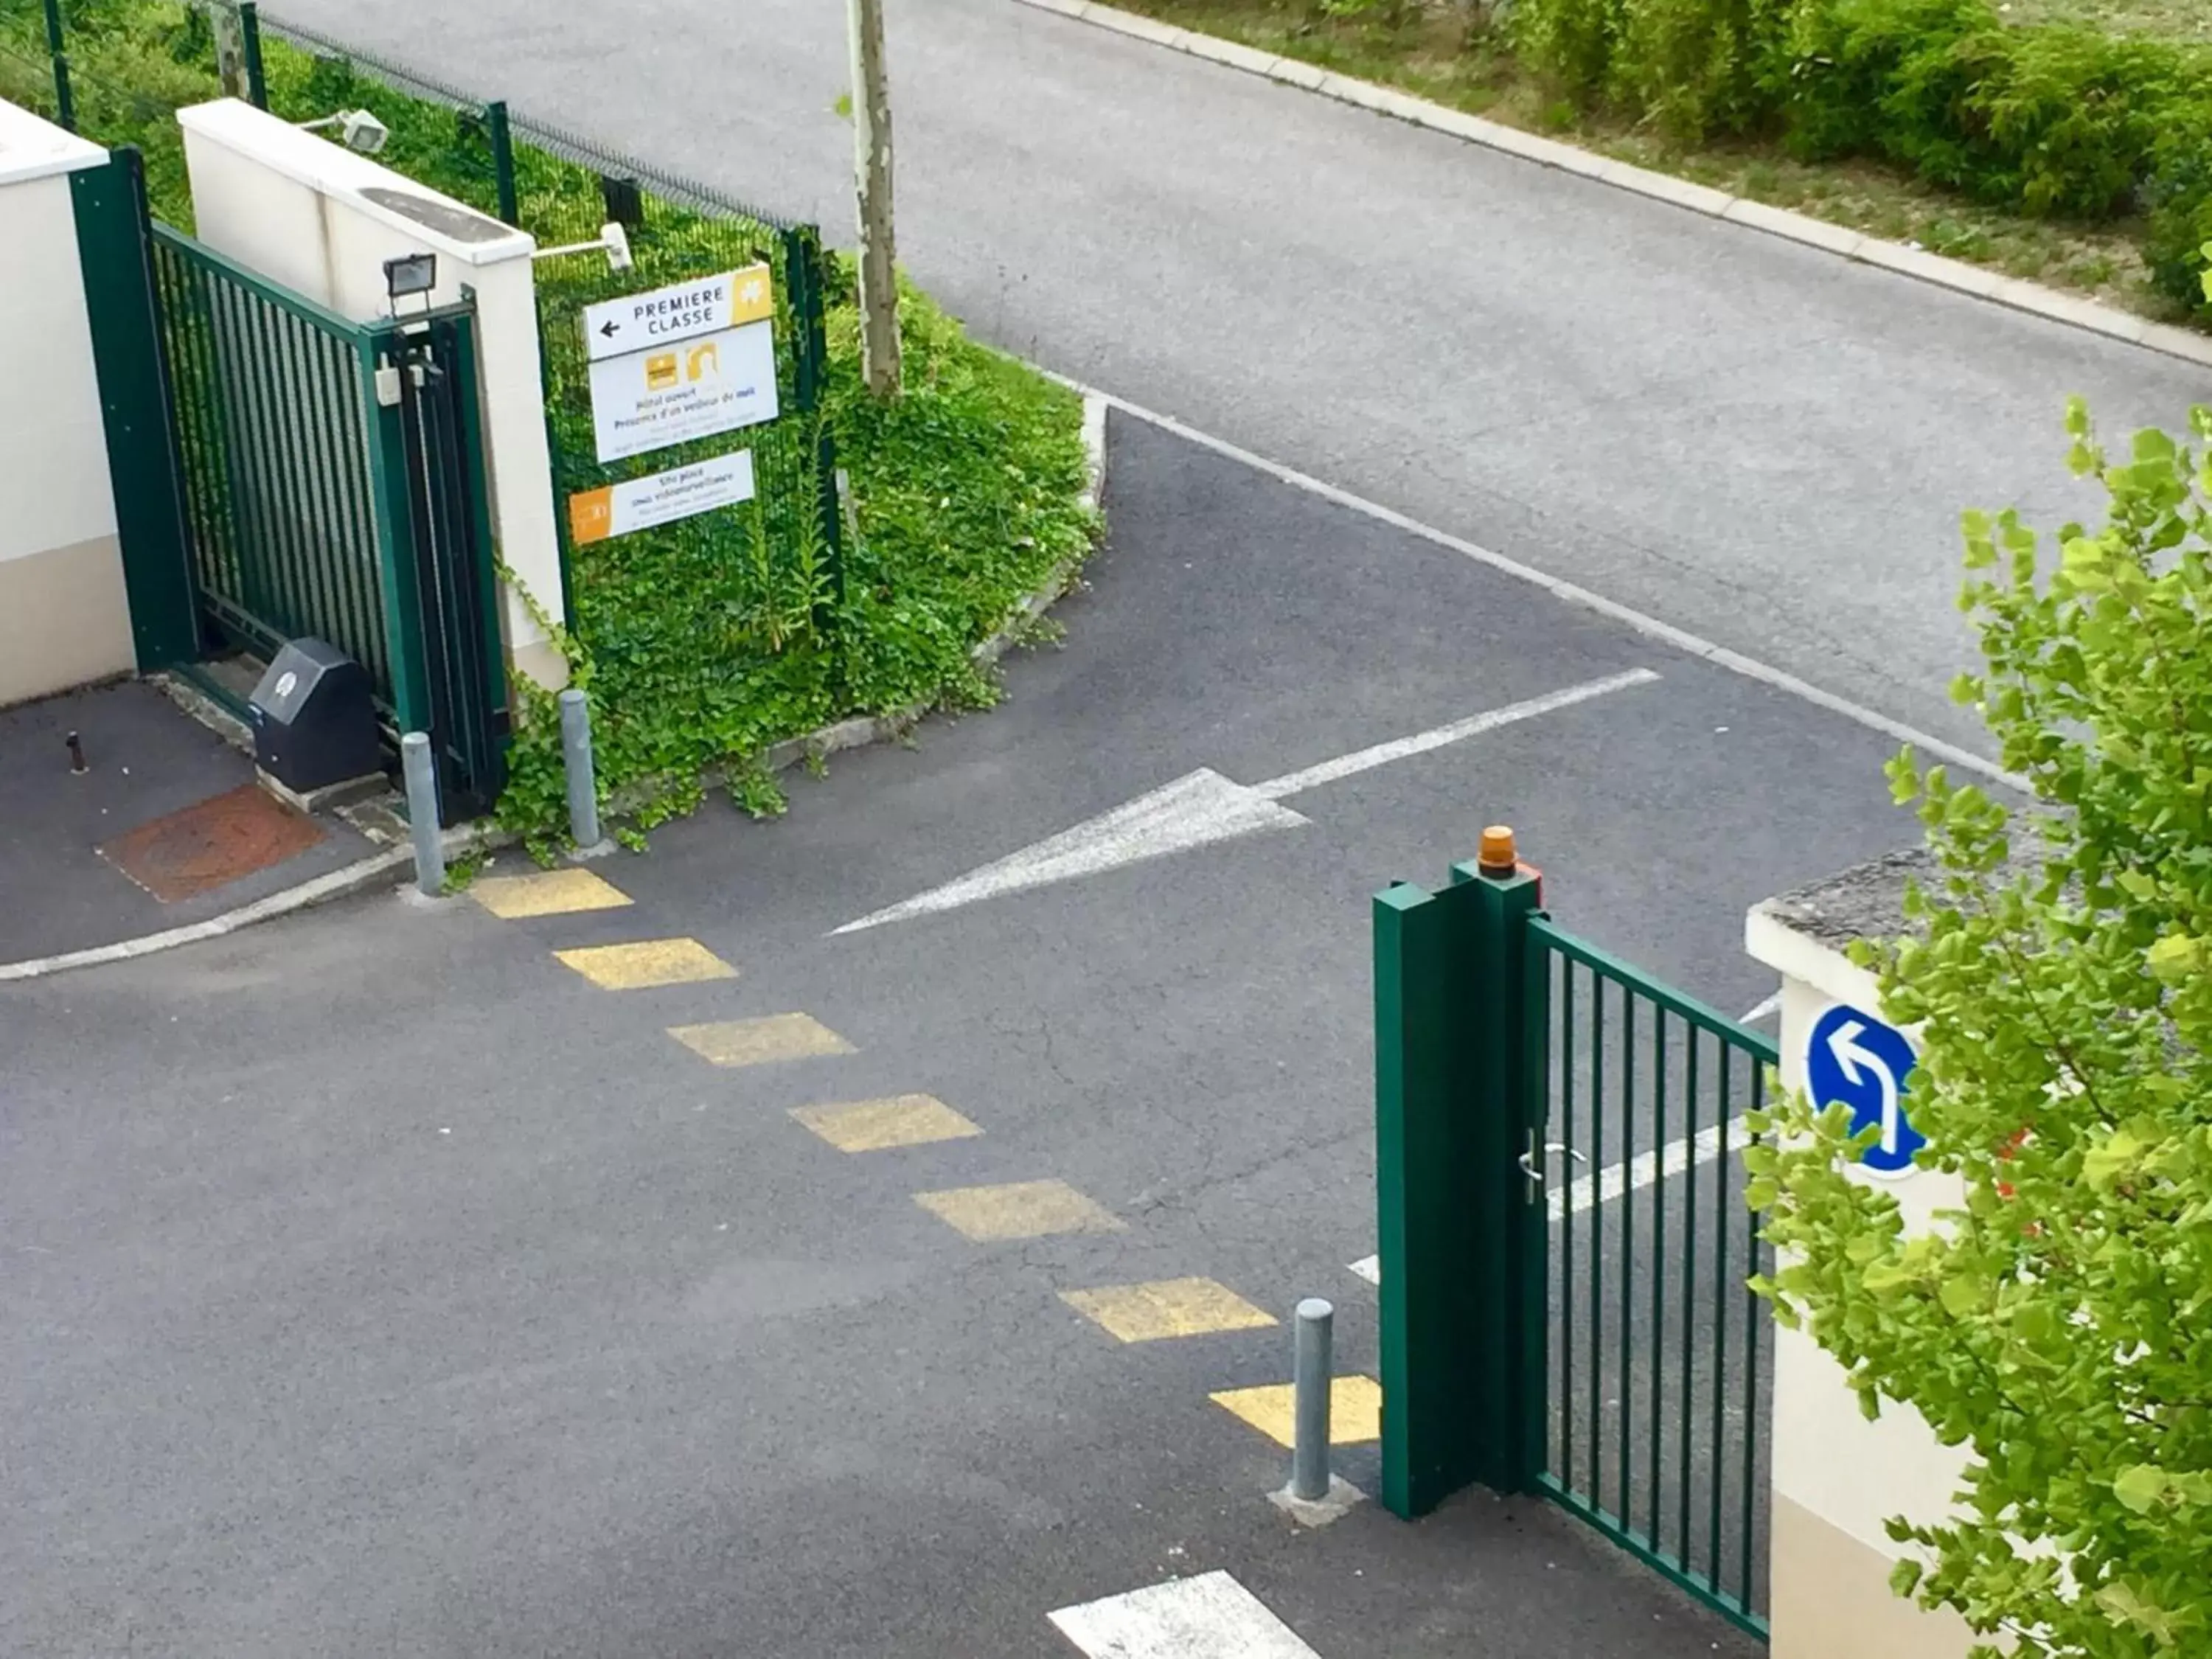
(164, 826)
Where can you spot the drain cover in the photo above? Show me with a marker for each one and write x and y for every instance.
(219, 840)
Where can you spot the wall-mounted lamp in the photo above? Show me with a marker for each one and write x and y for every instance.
(410, 274)
(357, 127)
(612, 240)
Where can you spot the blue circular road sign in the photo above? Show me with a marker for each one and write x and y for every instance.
(1853, 1058)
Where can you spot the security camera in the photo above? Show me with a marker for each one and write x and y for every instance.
(617, 246)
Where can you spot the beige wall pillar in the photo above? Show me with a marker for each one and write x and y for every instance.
(318, 218)
(64, 616)
(1836, 1477)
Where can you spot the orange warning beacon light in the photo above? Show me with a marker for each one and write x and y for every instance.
(1496, 858)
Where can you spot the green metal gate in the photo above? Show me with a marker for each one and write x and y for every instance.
(333, 487)
(1564, 1236)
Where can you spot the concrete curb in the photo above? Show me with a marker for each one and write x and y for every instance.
(364, 873)
(1979, 280)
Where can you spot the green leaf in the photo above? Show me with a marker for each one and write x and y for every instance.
(2174, 958)
(1962, 1297)
(2142, 1487)
(1905, 1576)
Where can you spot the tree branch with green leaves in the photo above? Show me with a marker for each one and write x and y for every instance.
(2056, 1326)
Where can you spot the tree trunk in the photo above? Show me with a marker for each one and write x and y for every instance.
(871, 169)
(229, 50)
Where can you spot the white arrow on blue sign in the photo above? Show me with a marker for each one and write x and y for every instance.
(1854, 1059)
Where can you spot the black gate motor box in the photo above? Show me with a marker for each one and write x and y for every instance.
(313, 723)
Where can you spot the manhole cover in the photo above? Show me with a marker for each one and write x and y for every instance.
(218, 841)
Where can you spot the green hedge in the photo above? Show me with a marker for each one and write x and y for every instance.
(2048, 119)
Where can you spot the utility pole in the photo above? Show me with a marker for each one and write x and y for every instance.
(229, 49)
(872, 172)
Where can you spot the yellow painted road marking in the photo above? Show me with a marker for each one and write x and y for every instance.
(648, 962)
(546, 893)
(1355, 1409)
(1166, 1307)
(1024, 1209)
(755, 1042)
(870, 1126)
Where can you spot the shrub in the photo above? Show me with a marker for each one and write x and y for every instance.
(1700, 67)
(1569, 41)
(2179, 197)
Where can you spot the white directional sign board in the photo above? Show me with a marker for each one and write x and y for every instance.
(683, 492)
(696, 388)
(683, 310)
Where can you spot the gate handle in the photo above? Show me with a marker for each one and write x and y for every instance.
(1527, 1161)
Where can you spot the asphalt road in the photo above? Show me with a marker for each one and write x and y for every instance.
(373, 1284)
(1754, 440)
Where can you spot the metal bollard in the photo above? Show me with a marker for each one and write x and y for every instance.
(576, 763)
(422, 775)
(1310, 1407)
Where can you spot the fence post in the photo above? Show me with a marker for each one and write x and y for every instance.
(56, 49)
(138, 406)
(503, 161)
(249, 31)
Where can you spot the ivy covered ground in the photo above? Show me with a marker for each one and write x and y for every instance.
(703, 643)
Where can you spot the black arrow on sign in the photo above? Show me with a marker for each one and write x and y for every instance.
(609, 327)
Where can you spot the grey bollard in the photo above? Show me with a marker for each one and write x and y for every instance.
(1309, 1407)
(576, 763)
(422, 775)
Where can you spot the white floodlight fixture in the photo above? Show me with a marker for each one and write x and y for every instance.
(357, 129)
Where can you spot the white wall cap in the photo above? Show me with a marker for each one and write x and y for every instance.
(438, 223)
(32, 147)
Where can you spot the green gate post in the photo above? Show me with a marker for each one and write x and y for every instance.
(394, 524)
(1503, 1196)
(144, 464)
(1424, 1245)
(1458, 1224)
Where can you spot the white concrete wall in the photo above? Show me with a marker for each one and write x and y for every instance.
(290, 205)
(64, 617)
(1836, 1477)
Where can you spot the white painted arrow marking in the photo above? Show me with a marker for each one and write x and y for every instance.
(1202, 807)
(1199, 807)
(1843, 1043)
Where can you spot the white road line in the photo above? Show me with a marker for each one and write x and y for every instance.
(1762, 1011)
(1382, 754)
(1650, 627)
(1676, 1157)
(1645, 1168)
(1209, 1617)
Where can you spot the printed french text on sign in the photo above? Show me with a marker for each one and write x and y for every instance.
(662, 316)
(663, 498)
(717, 383)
